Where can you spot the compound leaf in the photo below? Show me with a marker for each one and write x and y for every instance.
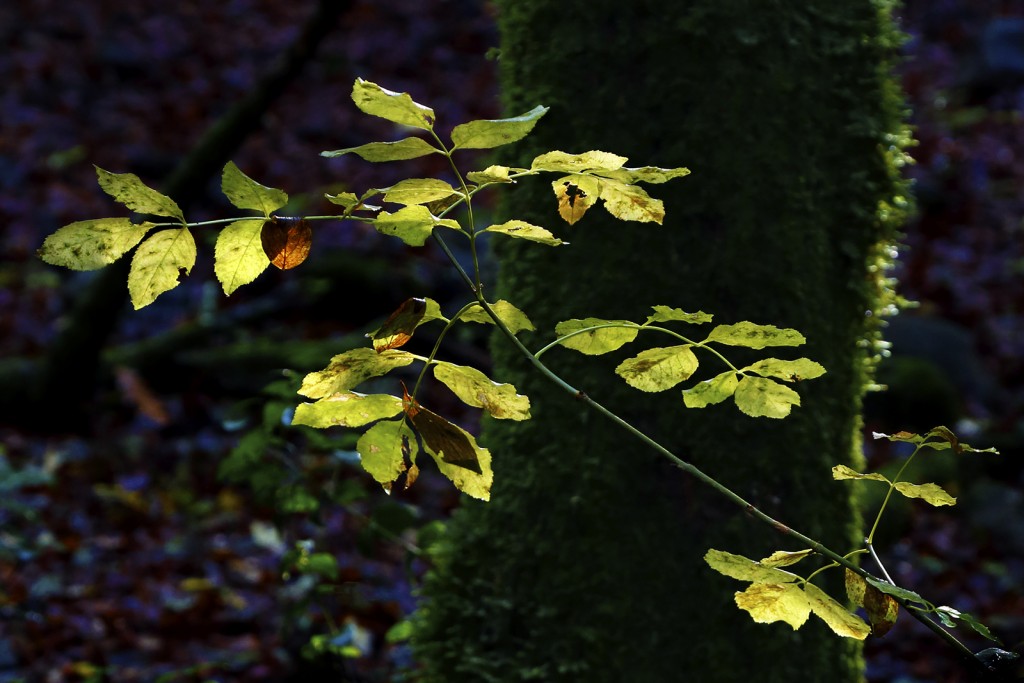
(770, 602)
(515, 320)
(594, 336)
(755, 336)
(631, 203)
(347, 409)
(487, 134)
(929, 493)
(384, 449)
(393, 106)
(350, 369)
(408, 148)
(159, 263)
(476, 389)
(665, 314)
(711, 391)
(760, 397)
(239, 258)
(525, 231)
(245, 193)
(563, 162)
(839, 619)
(127, 189)
(92, 244)
(658, 369)
(786, 370)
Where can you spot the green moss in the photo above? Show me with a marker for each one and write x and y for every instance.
(587, 563)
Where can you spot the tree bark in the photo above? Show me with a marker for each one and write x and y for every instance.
(587, 563)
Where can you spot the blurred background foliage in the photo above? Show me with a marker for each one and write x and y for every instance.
(163, 522)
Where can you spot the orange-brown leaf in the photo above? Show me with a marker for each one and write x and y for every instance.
(398, 328)
(286, 244)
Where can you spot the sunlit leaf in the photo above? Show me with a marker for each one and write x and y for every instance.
(348, 370)
(384, 450)
(760, 397)
(393, 106)
(127, 189)
(606, 336)
(930, 493)
(345, 200)
(475, 484)
(491, 174)
(771, 602)
(882, 610)
(755, 336)
(786, 370)
(286, 243)
(784, 558)
(575, 194)
(418, 191)
(514, 319)
(159, 263)
(745, 569)
(476, 389)
(947, 440)
(409, 148)
(88, 245)
(488, 134)
(839, 619)
(711, 391)
(526, 231)
(411, 224)
(347, 409)
(658, 369)
(398, 328)
(665, 314)
(840, 472)
(239, 258)
(577, 163)
(645, 174)
(245, 193)
(631, 202)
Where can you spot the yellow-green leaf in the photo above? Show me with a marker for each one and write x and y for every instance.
(525, 231)
(784, 558)
(760, 397)
(594, 160)
(239, 258)
(127, 189)
(711, 391)
(245, 193)
(346, 200)
(771, 602)
(409, 148)
(839, 619)
(476, 389)
(840, 472)
(393, 106)
(475, 484)
(383, 450)
(491, 174)
(594, 336)
(411, 224)
(514, 319)
(786, 370)
(88, 245)
(487, 134)
(665, 314)
(159, 263)
(745, 569)
(755, 336)
(348, 370)
(575, 194)
(631, 202)
(645, 174)
(930, 493)
(658, 369)
(418, 191)
(347, 409)
(882, 609)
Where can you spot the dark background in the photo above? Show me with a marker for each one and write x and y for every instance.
(123, 554)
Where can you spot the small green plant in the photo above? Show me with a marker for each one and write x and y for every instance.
(399, 428)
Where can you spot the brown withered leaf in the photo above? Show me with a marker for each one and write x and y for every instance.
(286, 243)
(398, 328)
(441, 436)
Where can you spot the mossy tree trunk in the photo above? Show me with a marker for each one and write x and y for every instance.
(587, 563)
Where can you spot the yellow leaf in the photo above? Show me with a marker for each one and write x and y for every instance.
(771, 602)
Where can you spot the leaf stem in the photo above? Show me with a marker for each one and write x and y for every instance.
(429, 360)
(892, 486)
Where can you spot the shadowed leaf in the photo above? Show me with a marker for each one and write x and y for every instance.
(286, 244)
